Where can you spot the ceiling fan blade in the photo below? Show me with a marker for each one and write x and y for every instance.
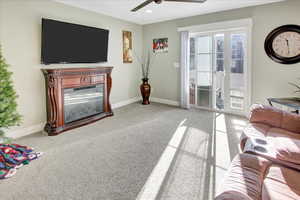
(142, 5)
(188, 1)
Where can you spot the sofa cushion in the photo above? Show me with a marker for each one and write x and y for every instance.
(281, 184)
(253, 130)
(257, 130)
(244, 179)
(291, 122)
(287, 149)
(282, 133)
(286, 146)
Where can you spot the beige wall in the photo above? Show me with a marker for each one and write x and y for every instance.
(1, 17)
(20, 36)
(269, 79)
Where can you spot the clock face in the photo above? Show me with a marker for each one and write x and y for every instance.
(287, 44)
(282, 45)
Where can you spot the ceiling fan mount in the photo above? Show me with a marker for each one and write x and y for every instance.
(160, 1)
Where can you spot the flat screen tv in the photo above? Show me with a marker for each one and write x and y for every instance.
(71, 43)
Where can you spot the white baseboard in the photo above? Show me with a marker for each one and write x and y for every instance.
(17, 132)
(24, 131)
(21, 132)
(126, 102)
(164, 101)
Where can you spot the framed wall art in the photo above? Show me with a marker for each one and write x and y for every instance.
(160, 45)
(127, 47)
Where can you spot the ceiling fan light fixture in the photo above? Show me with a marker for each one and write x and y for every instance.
(145, 3)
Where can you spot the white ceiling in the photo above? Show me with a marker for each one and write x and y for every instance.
(160, 12)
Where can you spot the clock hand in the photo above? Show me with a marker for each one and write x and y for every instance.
(287, 42)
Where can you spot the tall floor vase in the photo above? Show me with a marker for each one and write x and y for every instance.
(145, 91)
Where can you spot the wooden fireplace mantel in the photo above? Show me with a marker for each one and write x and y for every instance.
(59, 79)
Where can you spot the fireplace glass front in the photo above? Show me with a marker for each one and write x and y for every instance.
(83, 102)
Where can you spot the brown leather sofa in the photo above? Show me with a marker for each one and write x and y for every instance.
(270, 175)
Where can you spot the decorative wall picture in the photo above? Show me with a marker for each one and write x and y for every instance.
(127, 47)
(160, 45)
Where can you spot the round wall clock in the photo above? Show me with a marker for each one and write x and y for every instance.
(283, 44)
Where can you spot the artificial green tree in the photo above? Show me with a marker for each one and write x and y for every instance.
(8, 105)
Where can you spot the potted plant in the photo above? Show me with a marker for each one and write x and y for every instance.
(8, 105)
(297, 88)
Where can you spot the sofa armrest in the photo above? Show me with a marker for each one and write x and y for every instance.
(233, 195)
(290, 122)
(253, 130)
(275, 117)
(266, 115)
(244, 178)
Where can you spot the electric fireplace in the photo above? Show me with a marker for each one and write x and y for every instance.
(82, 102)
(76, 96)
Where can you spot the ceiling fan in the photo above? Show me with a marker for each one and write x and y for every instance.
(160, 1)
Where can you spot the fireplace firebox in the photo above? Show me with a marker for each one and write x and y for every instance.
(82, 102)
(76, 97)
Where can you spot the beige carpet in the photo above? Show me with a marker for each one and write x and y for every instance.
(112, 159)
(203, 157)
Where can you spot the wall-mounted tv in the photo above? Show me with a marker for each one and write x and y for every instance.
(71, 43)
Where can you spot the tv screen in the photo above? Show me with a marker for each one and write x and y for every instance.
(71, 43)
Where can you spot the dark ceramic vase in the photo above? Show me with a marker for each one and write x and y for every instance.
(145, 91)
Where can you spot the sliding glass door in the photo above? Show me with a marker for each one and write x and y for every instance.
(237, 76)
(201, 70)
(218, 71)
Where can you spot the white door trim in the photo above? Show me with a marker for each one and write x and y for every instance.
(218, 26)
(243, 25)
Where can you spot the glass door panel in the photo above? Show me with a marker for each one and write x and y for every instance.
(204, 62)
(237, 76)
(204, 71)
(203, 44)
(219, 72)
(204, 89)
(193, 74)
